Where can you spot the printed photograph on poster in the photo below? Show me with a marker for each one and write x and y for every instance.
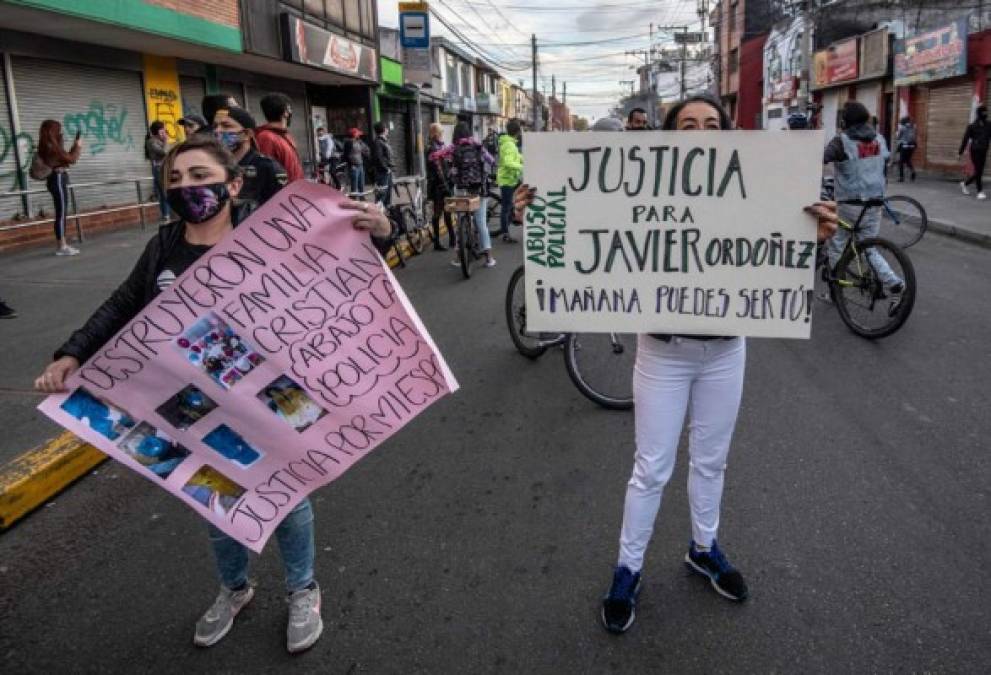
(186, 408)
(230, 445)
(102, 417)
(213, 347)
(215, 491)
(288, 400)
(153, 450)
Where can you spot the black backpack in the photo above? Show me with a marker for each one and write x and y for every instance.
(469, 169)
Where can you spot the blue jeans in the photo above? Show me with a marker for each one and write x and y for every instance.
(357, 179)
(482, 225)
(163, 202)
(385, 183)
(506, 192)
(295, 535)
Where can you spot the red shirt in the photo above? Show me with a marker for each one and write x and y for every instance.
(280, 146)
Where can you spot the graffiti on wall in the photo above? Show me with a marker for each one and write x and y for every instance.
(102, 126)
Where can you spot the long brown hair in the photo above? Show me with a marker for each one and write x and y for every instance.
(207, 144)
(50, 144)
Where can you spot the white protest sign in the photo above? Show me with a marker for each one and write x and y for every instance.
(672, 232)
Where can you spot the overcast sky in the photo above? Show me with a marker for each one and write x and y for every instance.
(501, 29)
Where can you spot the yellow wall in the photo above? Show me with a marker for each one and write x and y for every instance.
(163, 98)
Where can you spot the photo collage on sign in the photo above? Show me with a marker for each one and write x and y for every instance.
(290, 403)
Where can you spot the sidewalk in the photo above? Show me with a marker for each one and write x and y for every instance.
(950, 212)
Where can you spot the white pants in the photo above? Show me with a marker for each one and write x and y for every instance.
(668, 377)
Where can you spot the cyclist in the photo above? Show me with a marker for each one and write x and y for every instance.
(671, 373)
(860, 154)
(470, 170)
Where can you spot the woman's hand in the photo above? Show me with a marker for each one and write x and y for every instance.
(371, 218)
(522, 198)
(52, 381)
(826, 213)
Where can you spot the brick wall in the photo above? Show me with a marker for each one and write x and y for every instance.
(43, 235)
(219, 11)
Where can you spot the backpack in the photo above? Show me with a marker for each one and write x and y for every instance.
(39, 169)
(908, 135)
(468, 166)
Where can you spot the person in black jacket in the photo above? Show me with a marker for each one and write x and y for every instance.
(262, 175)
(201, 179)
(382, 162)
(978, 135)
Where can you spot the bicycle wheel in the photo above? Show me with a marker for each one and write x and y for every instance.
(868, 307)
(529, 345)
(601, 366)
(414, 233)
(903, 221)
(464, 251)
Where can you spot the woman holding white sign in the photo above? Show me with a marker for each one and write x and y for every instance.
(675, 374)
(202, 179)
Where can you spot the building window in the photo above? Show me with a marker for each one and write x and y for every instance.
(732, 22)
(734, 60)
(466, 80)
(451, 72)
(352, 15)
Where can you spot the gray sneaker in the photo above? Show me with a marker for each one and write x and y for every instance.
(305, 624)
(217, 622)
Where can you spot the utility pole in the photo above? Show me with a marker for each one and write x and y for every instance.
(533, 41)
(564, 93)
(684, 58)
(553, 86)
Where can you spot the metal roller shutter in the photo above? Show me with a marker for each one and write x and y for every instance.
(192, 90)
(296, 91)
(107, 106)
(949, 114)
(8, 163)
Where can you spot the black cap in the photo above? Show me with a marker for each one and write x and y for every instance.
(239, 115)
(193, 118)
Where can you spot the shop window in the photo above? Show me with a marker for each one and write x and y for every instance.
(734, 60)
(335, 12)
(352, 15)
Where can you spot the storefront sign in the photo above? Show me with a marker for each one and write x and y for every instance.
(784, 90)
(935, 55)
(314, 46)
(874, 51)
(163, 98)
(265, 371)
(841, 63)
(693, 233)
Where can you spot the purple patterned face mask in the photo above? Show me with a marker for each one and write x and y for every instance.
(197, 203)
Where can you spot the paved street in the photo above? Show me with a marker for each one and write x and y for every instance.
(482, 537)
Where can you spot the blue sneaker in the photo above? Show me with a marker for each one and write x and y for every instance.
(619, 607)
(712, 564)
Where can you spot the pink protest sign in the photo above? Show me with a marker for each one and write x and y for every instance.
(279, 359)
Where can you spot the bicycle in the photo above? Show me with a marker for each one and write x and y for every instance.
(599, 364)
(865, 305)
(903, 219)
(411, 216)
(464, 206)
(392, 240)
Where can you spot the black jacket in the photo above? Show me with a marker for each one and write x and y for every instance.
(134, 294)
(263, 177)
(382, 162)
(978, 134)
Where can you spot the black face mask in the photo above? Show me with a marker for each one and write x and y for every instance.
(198, 203)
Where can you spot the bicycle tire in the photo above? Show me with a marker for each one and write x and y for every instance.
(516, 319)
(464, 222)
(907, 298)
(414, 233)
(910, 228)
(610, 402)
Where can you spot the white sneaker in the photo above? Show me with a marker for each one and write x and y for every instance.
(963, 188)
(67, 250)
(305, 624)
(981, 195)
(490, 262)
(217, 621)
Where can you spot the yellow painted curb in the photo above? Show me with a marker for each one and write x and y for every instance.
(31, 479)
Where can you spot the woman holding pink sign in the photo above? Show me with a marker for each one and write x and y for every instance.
(202, 179)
